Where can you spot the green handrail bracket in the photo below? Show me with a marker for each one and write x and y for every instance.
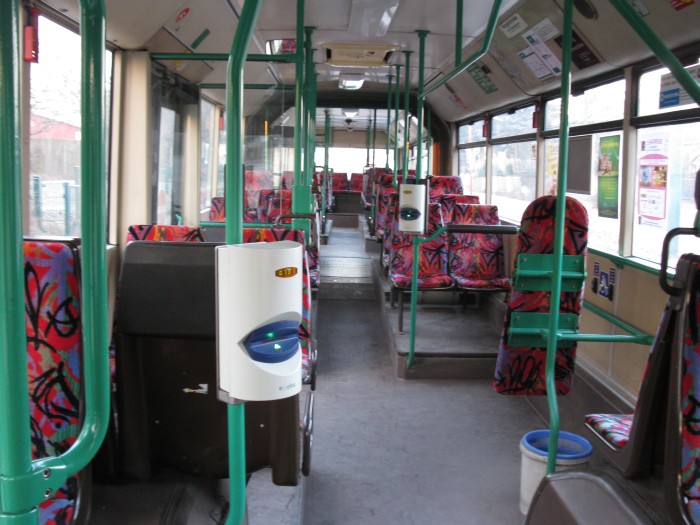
(534, 272)
(395, 182)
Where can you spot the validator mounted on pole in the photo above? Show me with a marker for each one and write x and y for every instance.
(258, 295)
(412, 206)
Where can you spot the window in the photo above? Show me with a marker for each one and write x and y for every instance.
(514, 178)
(513, 123)
(472, 170)
(471, 133)
(668, 158)
(603, 103)
(603, 200)
(208, 131)
(654, 101)
(54, 132)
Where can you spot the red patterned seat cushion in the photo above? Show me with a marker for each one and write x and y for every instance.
(521, 370)
(340, 182)
(614, 428)
(54, 347)
(355, 184)
(432, 262)
(449, 200)
(164, 232)
(476, 259)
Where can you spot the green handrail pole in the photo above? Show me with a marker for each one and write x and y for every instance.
(234, 235)
(266, 144)
(222, 57)
(488, 36)
(367, 141)
(429, 167)
(665, 56)
(458, 33)
(299, 177)
(410, 360)
(374, 138)
(422, 34)
(388, 119)
(395, 183)
(406, 122)
(15, 444)
(559, 221)
(326, 144)
(309, 104)
(373, 208)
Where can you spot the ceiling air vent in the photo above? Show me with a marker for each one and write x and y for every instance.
(358, 55)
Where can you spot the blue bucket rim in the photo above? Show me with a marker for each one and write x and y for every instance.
(538, 435)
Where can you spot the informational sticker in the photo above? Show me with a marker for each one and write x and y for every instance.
(480, 75)
(641, 8)
(546, 30)
(513, 26)
(653, 170)
(680, 4)
(535, 64)
(606, 281)
(671, 93)
(541, 49)
(581, 55)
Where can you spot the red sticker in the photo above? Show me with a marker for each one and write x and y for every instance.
(680, 4)
(183, 14)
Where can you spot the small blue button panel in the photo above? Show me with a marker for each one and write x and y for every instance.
(273, 343)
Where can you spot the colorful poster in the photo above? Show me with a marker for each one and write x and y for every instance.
(608, 176)
(653, 172)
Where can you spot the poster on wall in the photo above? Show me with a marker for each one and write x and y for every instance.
(653, 173)
(608, 176)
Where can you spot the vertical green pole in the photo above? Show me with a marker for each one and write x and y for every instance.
(406, 122)
(326, 140)
(388, 120)
(309, 103)
(367, 141)
(300, 179)
(396, 126)
(15, 444)
(429, 167)
(266, 144)
(555, 298)
(421, 102)
(374, 138)
(419, 173)
(373, 207)
(458, 34)
(234, 234)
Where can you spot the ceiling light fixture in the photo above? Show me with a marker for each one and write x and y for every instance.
(371, 18)
(351, 82)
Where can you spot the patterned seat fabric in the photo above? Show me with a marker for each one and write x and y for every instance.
(392, 227)
(164, 232)
(439, 185)
(287, 180)
(280, 204)
(690, 406)
(476, 259)
(372, 176)
(305, 329)
(432, 263)
(217, 211)
(449, 200)
(385, 199)
(253, 183)
(614, 428)
(340, 182)
(355, 183)
(521, 370)
(54, 347)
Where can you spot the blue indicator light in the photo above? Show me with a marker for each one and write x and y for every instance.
(273, 343)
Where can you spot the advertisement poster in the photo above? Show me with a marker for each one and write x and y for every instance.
(653, 172)
(608, 176)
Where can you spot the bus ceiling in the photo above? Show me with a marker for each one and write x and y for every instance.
(367, 39)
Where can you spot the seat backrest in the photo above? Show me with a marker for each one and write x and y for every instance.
(340, 182)
(449, 200)
(54, 348)
(521, 370)
(432, 254)
(217, 211)
(386, 198)
(477, 258)
(164, 232)
(279, 204)
(355, 184)
(439, 185)
(166, 370)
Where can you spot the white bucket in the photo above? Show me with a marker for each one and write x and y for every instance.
(572, 450)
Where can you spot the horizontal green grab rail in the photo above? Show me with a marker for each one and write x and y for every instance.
(223, 57)
(215, 85)
(641, 337)
(621, 262)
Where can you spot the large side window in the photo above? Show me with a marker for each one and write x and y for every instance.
(514, 161)
(595, 157)
(54, 132)
(472, 158)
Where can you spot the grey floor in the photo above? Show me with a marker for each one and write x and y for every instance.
(390, 451)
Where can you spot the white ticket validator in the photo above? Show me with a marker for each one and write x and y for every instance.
(412, 206)
(259, 301)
